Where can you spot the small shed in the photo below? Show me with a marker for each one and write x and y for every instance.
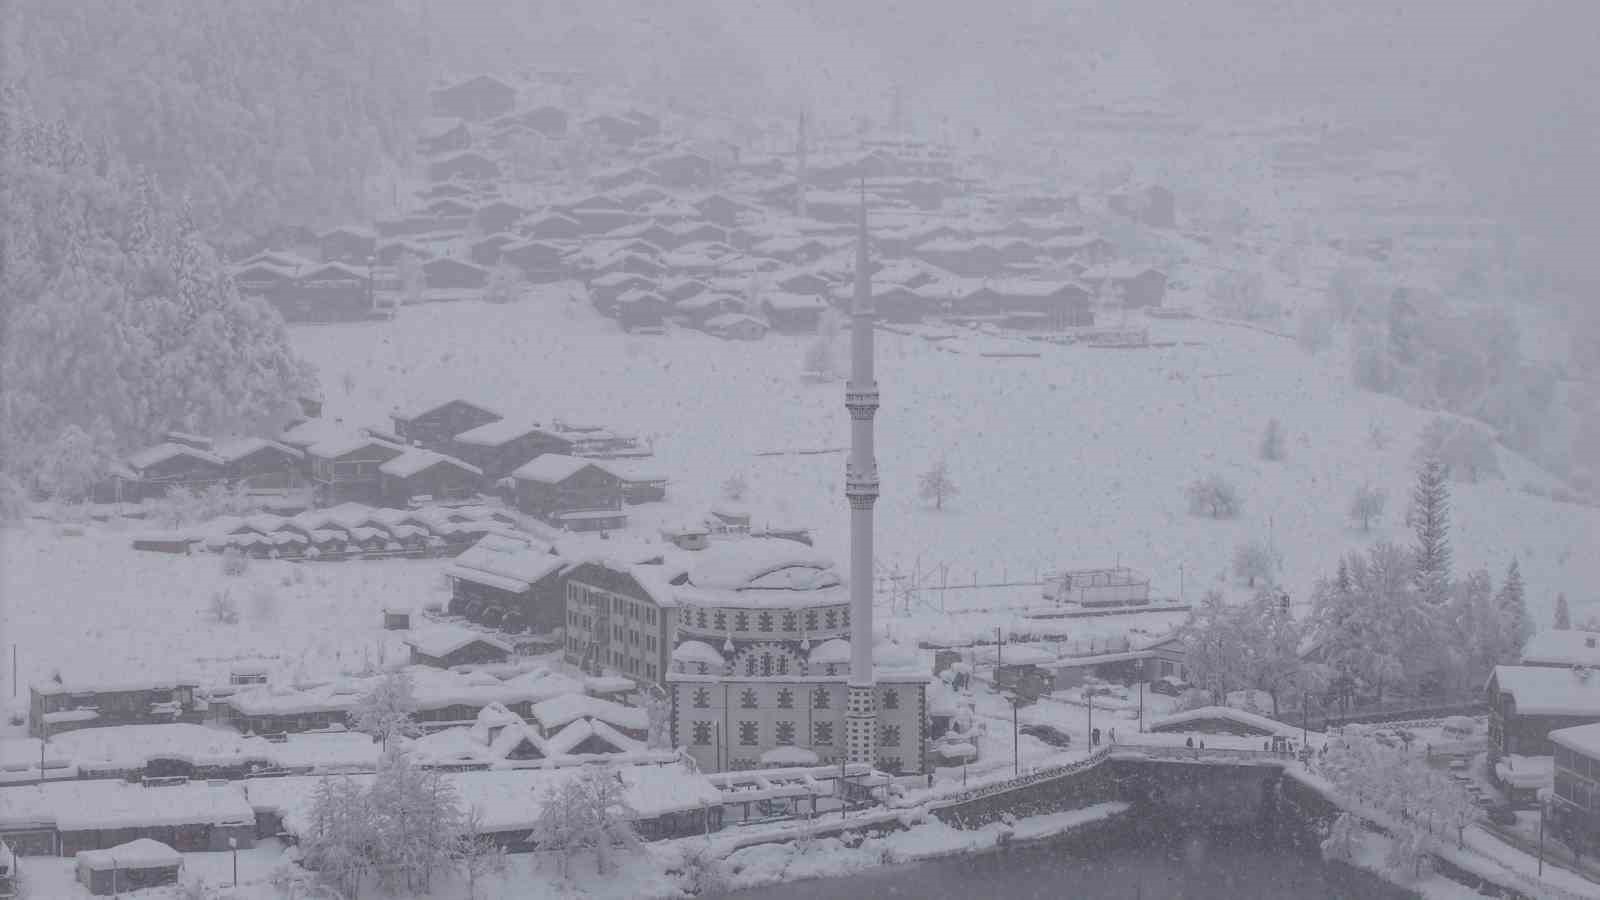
(396, 618)
(132, 866)
(450, 645)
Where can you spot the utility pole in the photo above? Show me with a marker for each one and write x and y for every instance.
(1016, 739)
(1141, 706)
(999, 649)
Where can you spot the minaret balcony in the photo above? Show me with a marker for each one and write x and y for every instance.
(862, 402)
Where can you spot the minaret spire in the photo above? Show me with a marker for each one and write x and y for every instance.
(861, 488)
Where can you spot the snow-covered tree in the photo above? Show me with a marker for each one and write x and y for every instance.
(735, 487)
(1214, 496)
(1256, 559)
(1344, 838)
(416, 822)
(1273, 447)
(1511, 606)
(505, 284)
(1429, 518)
(1366, 504)
(222, 608)
(478, 855)
(1563, 613)
(338, 841)
(586, 812)
(936, 484)
(386, 710)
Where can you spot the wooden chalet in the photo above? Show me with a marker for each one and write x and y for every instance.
(348, 244)
(793, 313)
(469, 166)
(720, 210)
(475, 99)
(498, 216)
(55, 706)
(680, 170)
(550, 121)
(734, 326)
(153, 471)
(600, 219)
(1526, 703)
(1038, 304)
(435, 425)
(1138, 286)
(1153, 206)
(641, 196)
(571, 492)
(446, 274)
(390, 253)
(965, 257)
(540, 262)
(639, 309)
(509, 584)
(331, 292)
(419, 473)
(605, 289)
(486, 251)
(700, 309)
(499, 448)
(614, 129)
(552, 227)
(443, 134)
(447, 646)
(346, 469)
(682, 288)
(261, 464)
(620, 176)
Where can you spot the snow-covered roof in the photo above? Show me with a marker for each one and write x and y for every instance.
(558, 711)
(443, 640)
(143, 853)
(416, 460)
(150, 456)
(315, 431)
(505, 564)
(420, 410)
(789, 756)
(1542, 690)
(554, 468)
(496, 434)
(830, 652)
(104, 804)
(1263, 724)
(702, 652)
(1583, 739)
(132, 746)
(334, 448)
(746, 564)
(239, 448)
(793, 302)
(728, 320)
(565, 741)
(1562, 647)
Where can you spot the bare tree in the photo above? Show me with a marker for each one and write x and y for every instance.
(1256, 559)
(1214, 496)
(1366, 504)
(735, 487)
(222, 609)
(936, 485)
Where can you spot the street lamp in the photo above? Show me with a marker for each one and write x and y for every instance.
(1016, 740)
(233, 844)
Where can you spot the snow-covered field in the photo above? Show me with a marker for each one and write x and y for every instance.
(1076, 459)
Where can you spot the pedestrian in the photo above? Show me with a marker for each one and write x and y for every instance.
(1189, 742)
(1202, 743)
(1266, 745)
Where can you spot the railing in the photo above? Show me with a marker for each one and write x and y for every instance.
(1032, 778)
(1167, 751)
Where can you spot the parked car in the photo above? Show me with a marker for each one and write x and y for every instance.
(1171, 685)
(1051, 735)
(1502, 814)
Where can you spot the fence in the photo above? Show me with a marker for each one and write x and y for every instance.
(1032, 778)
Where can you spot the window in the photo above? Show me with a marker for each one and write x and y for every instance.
(741, 621)
(700, 618)
(783, 664)
(747, 734)
(831, 617)
(702, 698)
(891, 699)
(750, 664)
(888, 735)
(811, 620)
(650, 671)
(764, 621)
(844, 616)
(719, 620)
(785, 699)
(819, 698)
(747, 699)
(766, 664)
(702, 733)
(822, 733)
(650, 642)
(784, 733)
(791, 622)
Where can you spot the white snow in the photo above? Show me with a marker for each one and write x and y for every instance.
(558, 711)
(1542, 690)
(416, 460)
(443, 640)
(554, 468)
(1562, 647)
(109, 804)
(143, 853)
(1175, 721)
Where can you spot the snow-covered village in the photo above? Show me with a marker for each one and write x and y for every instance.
(777, 450)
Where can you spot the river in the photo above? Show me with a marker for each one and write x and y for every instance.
(1117, 863)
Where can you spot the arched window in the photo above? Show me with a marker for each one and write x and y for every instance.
(791, 622)
(741, 621)
(766, 664)
(764, 621)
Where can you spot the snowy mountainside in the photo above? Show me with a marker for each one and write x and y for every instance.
(1077, 458)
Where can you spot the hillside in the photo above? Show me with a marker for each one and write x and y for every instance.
(1078, 458)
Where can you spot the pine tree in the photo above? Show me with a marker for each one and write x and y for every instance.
(1341, 581)
(1512, 610)
(1430, 519)
(1563, 613)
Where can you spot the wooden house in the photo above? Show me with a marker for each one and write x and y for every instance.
(443, 134)
(499, 448)
(155, 470)
(454, 274)
(348, 244)
(648, 125)
(641, 196)
(605, 289)
(641, 310)
(391, 253)
(509, 584)
(598, 220)
(435, 425)
(266, 280)
(676, 289)
(1038, 304)
(447, 646)
(539, 261)
(629, 262)
(969, 258)
(569, 491)
(444, 189)
(426, 473)
(498, 216)
(1526, 703)
(332, 292)
(614, 129)
(550, 121)
(680, 170)
(468, 166)
(700, 309)
(720, 210)
(793, 313)
(736, 327)
(1137, 286)
(552, 227)
(258, 463)
(55, 706)
(1153, 206)
(475, 99)
(486, 252)
(346, 469)
(620, 176)
(132, 866)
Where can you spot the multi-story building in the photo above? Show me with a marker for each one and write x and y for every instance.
(1576, 802)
